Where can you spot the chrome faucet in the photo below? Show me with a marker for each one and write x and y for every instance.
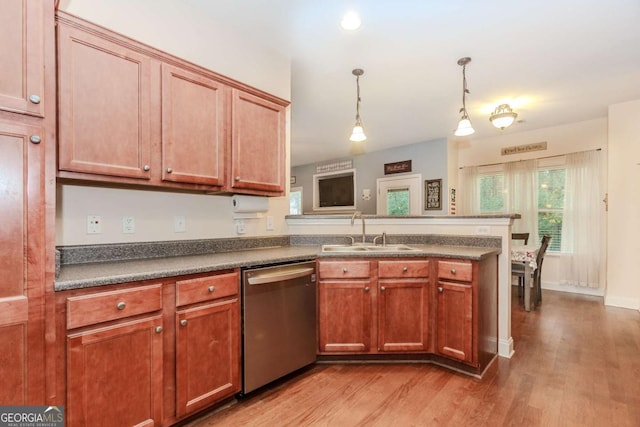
(383, 236)
(353, 218)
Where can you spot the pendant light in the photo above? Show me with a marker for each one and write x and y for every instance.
(503, 116)
(358, 133)
(464, 126)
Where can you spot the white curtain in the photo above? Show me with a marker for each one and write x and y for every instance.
(521, 182)
(583, 218)
(468, 196)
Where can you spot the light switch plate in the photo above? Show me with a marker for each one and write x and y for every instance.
(179, 224)
(128, 225)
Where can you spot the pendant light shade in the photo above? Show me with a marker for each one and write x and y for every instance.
(503, 116)
(464, 126)
(358, 132)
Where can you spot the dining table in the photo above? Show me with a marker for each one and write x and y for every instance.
(526, 255)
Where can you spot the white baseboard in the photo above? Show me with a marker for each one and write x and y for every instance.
(622, 302)
(505, 348)
(573, 289)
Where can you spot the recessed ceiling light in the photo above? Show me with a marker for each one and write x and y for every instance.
(350, 21)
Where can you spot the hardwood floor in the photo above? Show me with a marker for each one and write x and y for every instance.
(577, 363)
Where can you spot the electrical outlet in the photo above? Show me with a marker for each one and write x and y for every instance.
(179, 224)
(240, 227)
(269, 223)
(94, 224)
(128, 225)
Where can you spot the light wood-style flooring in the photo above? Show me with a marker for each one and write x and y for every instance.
(577, 363)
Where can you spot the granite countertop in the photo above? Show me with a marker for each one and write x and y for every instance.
(86, 275)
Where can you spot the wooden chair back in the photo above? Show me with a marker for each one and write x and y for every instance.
(520, 236)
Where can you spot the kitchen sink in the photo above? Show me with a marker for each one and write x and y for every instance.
(367, 248)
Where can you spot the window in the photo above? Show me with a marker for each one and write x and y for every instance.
(494, 198)
(398, 201)
(295, 201)
(551, 186)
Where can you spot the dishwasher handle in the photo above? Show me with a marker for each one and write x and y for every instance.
(263, 279)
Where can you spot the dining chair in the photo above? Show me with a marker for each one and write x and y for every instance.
(517, 269)
(520, 236)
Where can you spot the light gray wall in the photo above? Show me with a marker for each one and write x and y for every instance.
(428, 158)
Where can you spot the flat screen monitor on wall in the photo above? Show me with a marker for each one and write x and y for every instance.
(334, 190)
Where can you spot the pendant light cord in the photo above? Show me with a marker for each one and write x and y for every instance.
(358, 99)
(465, 91)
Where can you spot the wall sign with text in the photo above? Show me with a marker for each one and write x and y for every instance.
(397, 167)
(433, 194)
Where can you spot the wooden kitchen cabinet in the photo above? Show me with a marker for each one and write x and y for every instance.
(114, 357)
(193, 127)
(22, 258)
(257, 145)
(344, 306)
(104, 107)
(132, 114)
(22, 55)
(403, 305)
(207, 341)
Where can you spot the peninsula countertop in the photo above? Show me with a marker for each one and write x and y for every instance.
(87, 275)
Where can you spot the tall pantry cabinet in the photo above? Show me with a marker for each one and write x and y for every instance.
(27, 198)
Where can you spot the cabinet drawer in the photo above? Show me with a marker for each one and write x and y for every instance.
(207, 288)
(104, 306)
(455, 270)
(344, 269)
(396, 269)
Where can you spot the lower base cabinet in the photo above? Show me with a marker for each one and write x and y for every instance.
(114, 375)
(148, 353)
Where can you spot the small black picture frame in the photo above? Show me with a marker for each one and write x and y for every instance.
(432, 194)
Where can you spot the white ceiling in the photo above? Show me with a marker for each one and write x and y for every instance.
(557, 62)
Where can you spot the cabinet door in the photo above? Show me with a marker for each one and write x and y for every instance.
(22, 56)
(344, 316)
(403, 316)
(104, 106)
(114, 375)
(455, 320)
(207, 355)
(193, 133)
(258, 144)
(22, 257)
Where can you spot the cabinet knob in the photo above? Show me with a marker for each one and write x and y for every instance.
(169, 170)
(35, 99)
(211, 288)
(440, 289)
(158, 329)
(237, 178)
(183, 322)
(453, 271)
(366, 289)
(404, 269)
(121, 305)
(146, 167)
(382, 288)
(35, 139)
(345, 269)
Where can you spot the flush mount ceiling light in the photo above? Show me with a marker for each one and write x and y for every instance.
(503, 116)
(350, 21)
(358, 133)
(464, 126)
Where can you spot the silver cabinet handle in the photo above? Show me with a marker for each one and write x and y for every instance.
(404, 269)
(366, 289)
(453, 271)
(35, 99)
(237, 178)
(440, 289)
(382, 288)
(169, 170)
(121, 305)
(158, 329)
(183, 322)
(35, 139)
(345, 269)
(146, 167)
(211, 288)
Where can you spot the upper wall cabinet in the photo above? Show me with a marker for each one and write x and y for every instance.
(22, 57)
(104, 107)
(258, 157)
(131, 114)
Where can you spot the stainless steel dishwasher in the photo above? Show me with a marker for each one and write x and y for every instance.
(278, 321)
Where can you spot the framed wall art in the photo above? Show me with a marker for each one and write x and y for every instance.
(432, 194)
